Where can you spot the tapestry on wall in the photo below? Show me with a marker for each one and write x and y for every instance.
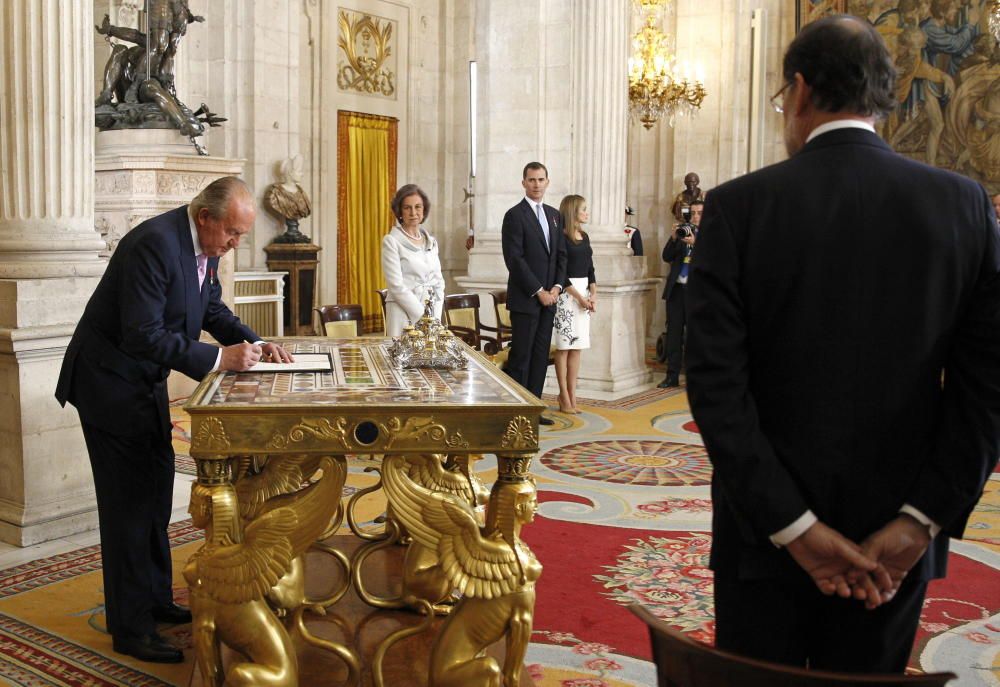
(948, 84)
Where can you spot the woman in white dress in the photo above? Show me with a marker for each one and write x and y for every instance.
(576, 302)
(410, 262)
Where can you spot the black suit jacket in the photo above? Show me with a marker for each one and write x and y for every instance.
(144, 320)
(673, 253)
(828, 295)
(530, 264)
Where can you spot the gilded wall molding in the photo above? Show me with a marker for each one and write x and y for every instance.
(366, 60)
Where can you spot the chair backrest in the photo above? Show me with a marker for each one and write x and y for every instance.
(461, 315)
(502, 315)
(684, 662)
(382, 295)
(340, 321)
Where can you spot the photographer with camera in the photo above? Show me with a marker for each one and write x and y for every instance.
(678, 252)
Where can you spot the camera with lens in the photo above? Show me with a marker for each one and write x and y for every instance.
(684, 230)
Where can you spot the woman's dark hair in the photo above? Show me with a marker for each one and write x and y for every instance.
(404, 192)
(846, 63)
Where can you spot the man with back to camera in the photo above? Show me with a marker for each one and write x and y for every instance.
(678, 251)
(158, 293)
(996, 207)
(843, 369)
(535, 254)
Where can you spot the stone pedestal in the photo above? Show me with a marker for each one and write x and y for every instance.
(300, 261)
(142, 173)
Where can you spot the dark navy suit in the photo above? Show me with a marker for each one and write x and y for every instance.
(531, 266)
(843, 356)
(143, 320)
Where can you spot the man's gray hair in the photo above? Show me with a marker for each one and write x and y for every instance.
(217, 196)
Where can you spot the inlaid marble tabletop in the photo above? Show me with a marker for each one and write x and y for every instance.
(363, 405)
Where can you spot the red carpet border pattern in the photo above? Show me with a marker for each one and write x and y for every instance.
(32, 656)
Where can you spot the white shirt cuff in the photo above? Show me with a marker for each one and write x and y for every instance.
(218, 361)
(917, 515)
(787, 535)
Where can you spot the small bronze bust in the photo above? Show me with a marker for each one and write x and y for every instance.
(690, 194)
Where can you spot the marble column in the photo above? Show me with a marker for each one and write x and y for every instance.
(49, 261)
(614, 366)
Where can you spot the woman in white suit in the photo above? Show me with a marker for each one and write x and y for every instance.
(410, 262)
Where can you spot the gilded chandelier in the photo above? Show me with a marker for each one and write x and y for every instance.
(655, 88)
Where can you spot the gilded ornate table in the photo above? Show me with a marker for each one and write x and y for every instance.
(272, 452)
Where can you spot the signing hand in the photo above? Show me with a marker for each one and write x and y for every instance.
(897, 547)
(273, 353)
(828, 557)
(239, 357)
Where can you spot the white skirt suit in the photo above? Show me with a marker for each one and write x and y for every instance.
(412, 275)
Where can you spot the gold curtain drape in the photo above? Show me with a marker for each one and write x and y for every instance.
(366, 180)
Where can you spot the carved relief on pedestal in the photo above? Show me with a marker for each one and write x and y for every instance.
(111, 228)
(183, 185)
(113, 184)
(143, 183)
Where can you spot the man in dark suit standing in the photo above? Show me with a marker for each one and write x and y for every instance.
(159, 292)
(843, 368)
(535, 254)
(678, 251)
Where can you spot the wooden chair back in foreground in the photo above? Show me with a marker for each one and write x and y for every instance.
(502, 331)
(497, 346)
(340, 321)
(461, 315)
(683, 662)
(382, 295)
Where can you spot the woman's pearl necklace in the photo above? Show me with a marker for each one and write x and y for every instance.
(418, 237)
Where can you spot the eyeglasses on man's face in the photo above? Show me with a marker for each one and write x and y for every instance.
(777, 98)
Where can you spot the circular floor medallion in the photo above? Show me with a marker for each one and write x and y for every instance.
(647, 463)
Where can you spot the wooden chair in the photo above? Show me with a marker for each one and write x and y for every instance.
(500, 342)
(683, 662)
(382, 295)
(461, 315)
(340, 321)
(502, 331)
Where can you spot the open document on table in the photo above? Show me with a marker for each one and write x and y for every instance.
(304, 362)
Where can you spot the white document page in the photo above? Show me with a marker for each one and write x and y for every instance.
(304, 362)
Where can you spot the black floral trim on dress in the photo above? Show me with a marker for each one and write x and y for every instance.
(564, 320)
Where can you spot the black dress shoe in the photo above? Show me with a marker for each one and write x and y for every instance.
(152, 648)
(542, 420)
(172, 613)
(670, 382)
